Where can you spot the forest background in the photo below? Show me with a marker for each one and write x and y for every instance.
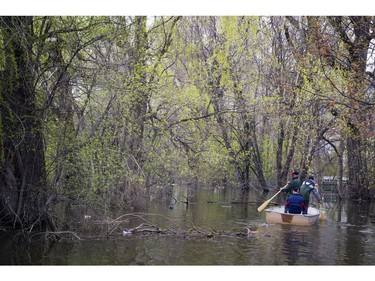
(116, 109)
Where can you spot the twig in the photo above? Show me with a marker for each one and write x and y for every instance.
(59, 233)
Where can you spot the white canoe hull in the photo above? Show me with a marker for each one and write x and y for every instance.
(277, 215)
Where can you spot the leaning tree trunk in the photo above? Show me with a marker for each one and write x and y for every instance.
(22, 179)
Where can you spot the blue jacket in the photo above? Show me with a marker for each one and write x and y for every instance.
(295, 204)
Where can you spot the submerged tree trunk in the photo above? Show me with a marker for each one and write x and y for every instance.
(357, 172)
(23, 174)
(340, 185)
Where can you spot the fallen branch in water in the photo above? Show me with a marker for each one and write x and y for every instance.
(145, 228)
(58, 234)
(110, 221)
(114, 224)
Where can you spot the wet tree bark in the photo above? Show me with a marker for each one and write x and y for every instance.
(23, 174)
(138, 96)
(357, 48)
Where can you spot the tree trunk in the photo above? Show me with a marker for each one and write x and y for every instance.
(357, 48)
(340, 186)
(357, 171)
(23, 175)
(283, 170)
(138, 95)
(256, 156)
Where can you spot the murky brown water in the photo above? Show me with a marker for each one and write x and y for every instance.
(346, 237)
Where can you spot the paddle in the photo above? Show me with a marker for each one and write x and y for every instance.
(264, 205)
(322, 213)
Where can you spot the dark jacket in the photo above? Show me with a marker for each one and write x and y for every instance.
(296, 182)
(295, 204)
(307, 187)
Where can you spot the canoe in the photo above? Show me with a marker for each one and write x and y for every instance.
(277, 215)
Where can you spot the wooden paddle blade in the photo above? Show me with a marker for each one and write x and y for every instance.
(264, 205)
(322, 213)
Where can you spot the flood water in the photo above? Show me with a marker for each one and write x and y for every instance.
(207, 233)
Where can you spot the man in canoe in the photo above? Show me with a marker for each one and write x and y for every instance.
(295, 204)
(308, 187)
(294, 182)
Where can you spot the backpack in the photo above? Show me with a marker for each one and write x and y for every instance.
(305, 190)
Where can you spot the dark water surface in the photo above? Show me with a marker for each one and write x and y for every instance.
(346, 237)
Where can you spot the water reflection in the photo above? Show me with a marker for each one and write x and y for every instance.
(346, 237)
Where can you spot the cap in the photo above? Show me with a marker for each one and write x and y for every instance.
(295, 172)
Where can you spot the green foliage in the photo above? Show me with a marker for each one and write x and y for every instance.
(130, 104)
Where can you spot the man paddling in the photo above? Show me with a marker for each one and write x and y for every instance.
(294, 182)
